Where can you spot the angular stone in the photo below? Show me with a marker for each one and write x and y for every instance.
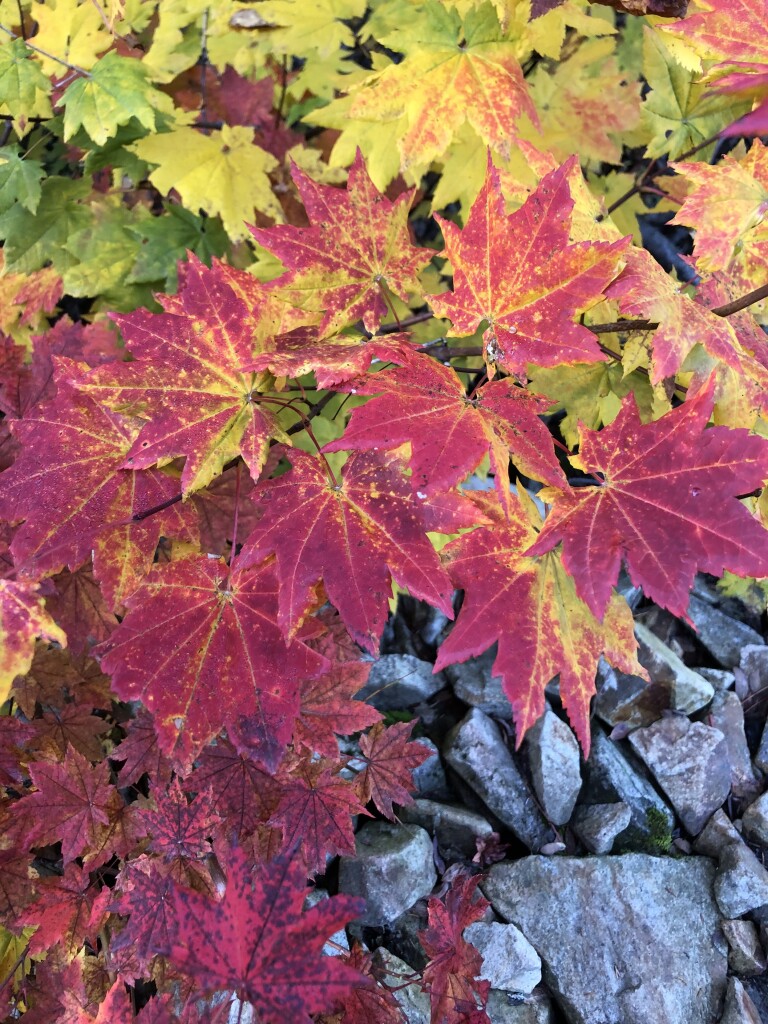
(754, 665)
(746, 956)
(554, 760)
(622, 939)
(628, 700)
(511, 1008)
(689, 692)
(476, 750)
(741, 883)
(412, 1001)
(455, 828)
(727, 715)
(429, 779)
(598, 825)
(761, 757)
(475, 685)
(509, 960)
(392, 868)
(613, 775)
(722, 636)
(720, 678)
(739, 1008)
(339, 938)
(690, 762)
(400, 681)
(754, 821)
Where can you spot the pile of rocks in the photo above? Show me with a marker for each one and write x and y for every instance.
(633, 887)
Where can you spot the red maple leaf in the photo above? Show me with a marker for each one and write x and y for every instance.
(315, 811)
(200, 646)
(68, 908)
(370, 1004)
(327, 708)
(257, 942)
(390, 759)
(72, 801)
(78, 605)
(180, 828)
(667, 507)
(354, 537)
(519, 273)
(450, 432)
(144, 889)
(356, 248)
(450, 977)
(140, 751)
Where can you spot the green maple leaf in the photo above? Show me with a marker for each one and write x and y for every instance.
(24, 88)
(19, 180)
(116, 90)
(32, 239)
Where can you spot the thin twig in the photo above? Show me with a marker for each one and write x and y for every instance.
(44, 53)
(283, 91)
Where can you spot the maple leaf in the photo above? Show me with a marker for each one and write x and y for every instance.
(23, 617)
(77, 498)
(201, 648)
(67, 908)
(78, 605)
(530, 607)
(315, 811)
(728, 201)
(390, 759)
(519, 273)
(258, 943)
(667, 506)
(450, 432)
(72, 800)
(144, 889)
(140, 753)
(645, 289)
(71, 725)
(356, 248)
(355, 536)
(180, 828)
(731, 30)
(371, 1004)
(450, 977)
(187, 382)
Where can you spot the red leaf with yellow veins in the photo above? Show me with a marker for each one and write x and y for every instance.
(531, 608)
(186, 380)
(645, 289)
(357, 247)
(69, 487)
(730, 31)
(425, 404)
(200, 646)
(257, 943)
(390, 758)
(355, 537)
(23, 618)
(519, 273)
(667, 507)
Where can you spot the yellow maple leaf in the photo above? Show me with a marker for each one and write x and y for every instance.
(72, 31)
(225, 174)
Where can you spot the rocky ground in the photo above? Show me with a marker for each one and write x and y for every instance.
(625, 890)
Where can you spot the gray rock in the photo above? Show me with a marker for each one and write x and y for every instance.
(400, 681)
(722, 636)
(476, 750)
(509, 960)
(598, 825)
(754, 665)
(455, 828)
(690, 762)
(613, 775)
(475, 685)
(339, 938)
(554, 760)
(761, 757)
(429, 779)
(754, 821)
(739, 1008)
(688, 691)
(412, 1001)
(746, 955)
(627, 700)
(622, 939)
(720, 678)
(510, 1008)
(741, 883)
(392, 868)
(727, 715)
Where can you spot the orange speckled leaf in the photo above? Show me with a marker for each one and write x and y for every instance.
(519, 273)
(729, 199)
(425, 403)
(732, 30)
(187, 381)
(668, 506)
(22, 618)
(200, 646)
(355, 538)
(645, 289)
(530, 607)
(357, 246)
(69, 487)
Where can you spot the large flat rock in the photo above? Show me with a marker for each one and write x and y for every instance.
(623, 940)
